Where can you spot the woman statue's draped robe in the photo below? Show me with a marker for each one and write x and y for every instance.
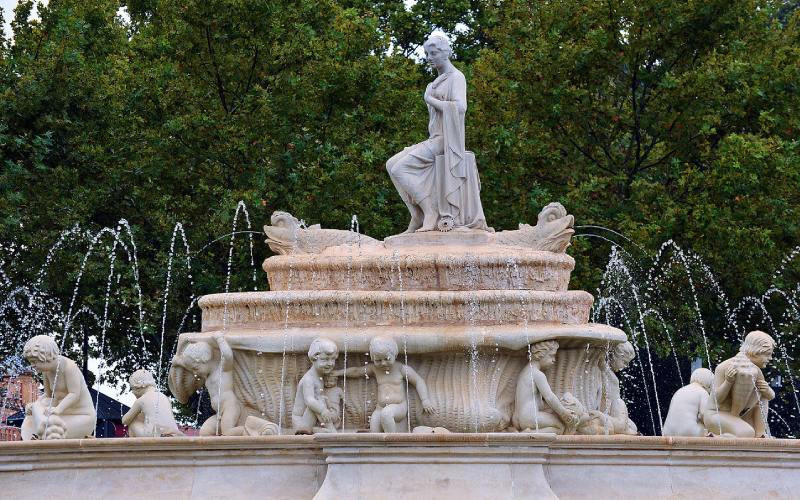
(440, 166)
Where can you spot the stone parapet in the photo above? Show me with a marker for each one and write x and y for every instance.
(475, 466)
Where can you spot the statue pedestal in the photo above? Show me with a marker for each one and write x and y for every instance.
(458, 237)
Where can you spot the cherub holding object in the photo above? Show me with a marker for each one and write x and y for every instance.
(685, 415)
(537, 408)
(151, 414)
(215, 367)
(392, 406)
(312, 411)
(65, 410)
(734, 408)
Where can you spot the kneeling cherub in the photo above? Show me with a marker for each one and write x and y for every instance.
(685, 415)
(151, 414)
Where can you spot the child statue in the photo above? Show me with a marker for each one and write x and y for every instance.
(685, 415)
(312, 411)
(334, 398)
(215, 367)
(537, 408)
(65, 410)
(151, 414)
(734, 407)
(392, 406)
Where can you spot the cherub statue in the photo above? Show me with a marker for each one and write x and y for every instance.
(214, 367)
(151, 414)
(734, 407)
(614, 416)
(334, 398)
(537, 408)
(392, 406)
(65, 410)
(312, 410)
(685, 415)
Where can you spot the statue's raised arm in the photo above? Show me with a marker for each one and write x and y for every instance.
(437, 178)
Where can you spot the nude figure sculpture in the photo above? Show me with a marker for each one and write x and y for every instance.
(740, 393)
(391, 376)
(65, 410)
(685, 415)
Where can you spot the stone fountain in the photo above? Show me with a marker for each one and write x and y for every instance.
(450, 361)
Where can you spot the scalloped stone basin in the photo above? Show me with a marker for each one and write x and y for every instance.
(471, 372)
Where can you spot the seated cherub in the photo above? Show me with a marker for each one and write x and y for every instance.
(65, 410)
(391, 377)
(537, 408)
(685, 415)
(312, 411)
(151, 414)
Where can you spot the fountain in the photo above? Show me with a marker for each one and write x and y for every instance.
(448, 361)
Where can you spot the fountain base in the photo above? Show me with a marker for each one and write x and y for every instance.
(492, 466)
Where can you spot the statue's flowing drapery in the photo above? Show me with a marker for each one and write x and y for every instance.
(440, 166)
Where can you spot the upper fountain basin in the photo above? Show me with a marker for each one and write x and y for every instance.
(445, 268)
(256, 310)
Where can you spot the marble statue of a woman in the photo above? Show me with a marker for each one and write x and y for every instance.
(437, 178)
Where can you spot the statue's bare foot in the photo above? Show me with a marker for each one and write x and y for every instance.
(428, 221)
(414, 225)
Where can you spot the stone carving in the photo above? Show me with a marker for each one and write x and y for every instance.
(613, 410)
(287, 236)
(685, 415)
(437, 178)
(339, 308)
(65, 410)
(552, 232)
(314, 409)
(200, 363)
(737, 405)
(536, 407)
(391, 412)
(151, 414)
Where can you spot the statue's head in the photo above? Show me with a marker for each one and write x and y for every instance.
(437, 50)
(620, 355)
(383, 350)
(331, 381)
(704, 377)
(42, 352)
(544, 352)
(140, 380)
(323, 353)
(196, 355)
(758, 347)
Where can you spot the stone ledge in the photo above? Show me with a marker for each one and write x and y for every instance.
(402, 466)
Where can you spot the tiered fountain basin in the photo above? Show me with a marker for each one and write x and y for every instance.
(463, 311)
